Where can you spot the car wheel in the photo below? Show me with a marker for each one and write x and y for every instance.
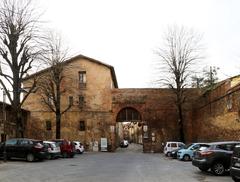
(186, 157)
(218, 169)
(30, 157)
(78, 151)
(65, 155)
(169, 154)
(204, 169)
(235, 179)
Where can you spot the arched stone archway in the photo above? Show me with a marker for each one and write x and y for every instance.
(128, 114)
(129, 125)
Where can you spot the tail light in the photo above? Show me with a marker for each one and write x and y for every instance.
(38, 147)
(205, 153)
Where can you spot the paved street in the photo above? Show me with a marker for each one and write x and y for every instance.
(126, 165)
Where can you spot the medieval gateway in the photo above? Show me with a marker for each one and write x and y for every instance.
(147, 116)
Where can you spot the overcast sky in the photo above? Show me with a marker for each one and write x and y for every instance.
(125, 33)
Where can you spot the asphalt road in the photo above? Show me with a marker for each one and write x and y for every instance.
(126, 165)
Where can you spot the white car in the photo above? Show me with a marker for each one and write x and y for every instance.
(53, 148)
(79, 148)
(124, 144)
(170, 146)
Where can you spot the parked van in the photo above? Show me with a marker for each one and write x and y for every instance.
(170, 146)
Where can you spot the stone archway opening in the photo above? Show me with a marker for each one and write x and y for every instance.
(129, 127)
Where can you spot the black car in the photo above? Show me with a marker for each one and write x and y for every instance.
(235, 164)
(25, 148)
(215, 156)
(173, 153)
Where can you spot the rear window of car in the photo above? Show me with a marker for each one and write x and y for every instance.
(227, 147)
(203, 147)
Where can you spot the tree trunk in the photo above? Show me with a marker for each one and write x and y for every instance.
(181, 129)
(58, 124)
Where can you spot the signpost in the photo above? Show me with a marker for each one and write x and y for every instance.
(104, 144)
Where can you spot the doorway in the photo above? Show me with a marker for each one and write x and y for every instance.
(129, 127)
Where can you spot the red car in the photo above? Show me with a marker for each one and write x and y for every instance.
(67, 148)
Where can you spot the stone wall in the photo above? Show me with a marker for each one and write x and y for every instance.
(216, 114)
(157, 110)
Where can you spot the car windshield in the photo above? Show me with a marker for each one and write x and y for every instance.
(187, 146)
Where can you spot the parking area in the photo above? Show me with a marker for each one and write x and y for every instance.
(127, 164)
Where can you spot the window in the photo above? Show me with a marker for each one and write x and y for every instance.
(228, 147)
(81, 101)
(23, 142)
(195, 147)
(229, 102)
(48, 125)
(11, 142)
(70, 100)
(82, 125)
(82, 79)
(50, 100)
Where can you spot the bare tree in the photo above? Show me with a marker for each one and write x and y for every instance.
(19, 48)
(50, 83)
(178, 58)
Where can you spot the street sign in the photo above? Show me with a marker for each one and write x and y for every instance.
(104, 144)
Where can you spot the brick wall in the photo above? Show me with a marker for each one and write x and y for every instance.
(157, 109)
(216, 114)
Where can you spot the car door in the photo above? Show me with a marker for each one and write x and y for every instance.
(22, 148)
(193, 149)
(11, 147)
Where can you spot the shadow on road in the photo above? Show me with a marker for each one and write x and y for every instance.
(132, 148)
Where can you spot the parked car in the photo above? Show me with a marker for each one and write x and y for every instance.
(67, 148)
(53, 149)
(215, 156)
(25, 148)
(124, 143)
(235, 164)
(186, 153)
(170, 146)
(79, 148)
(173, 153)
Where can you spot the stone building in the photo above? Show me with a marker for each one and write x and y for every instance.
(100, 110)
(7, 124)
(88, 83)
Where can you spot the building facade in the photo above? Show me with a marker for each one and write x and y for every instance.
(101, 110)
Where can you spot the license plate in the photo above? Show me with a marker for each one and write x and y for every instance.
(237, 164)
